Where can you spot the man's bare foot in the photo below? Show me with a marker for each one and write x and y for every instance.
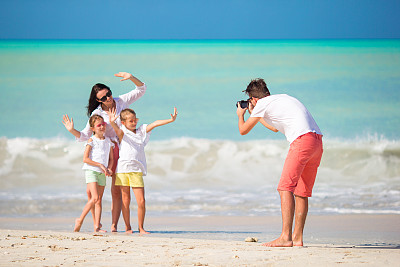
(129, 231)
(143, 232)
(98, 230)
(279, 243)
(113, 228)
(78, 225)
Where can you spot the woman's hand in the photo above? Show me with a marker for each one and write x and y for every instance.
(68, 123)
(124, 75)
(127, 76)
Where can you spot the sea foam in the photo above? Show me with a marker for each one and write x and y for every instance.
(199, 177)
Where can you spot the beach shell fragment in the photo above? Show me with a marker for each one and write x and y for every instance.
(251, 239)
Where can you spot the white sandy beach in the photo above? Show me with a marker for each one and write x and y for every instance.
(40, 248)
(167, 248)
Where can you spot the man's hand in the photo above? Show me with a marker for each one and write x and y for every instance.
(240, 111)
(251, 107)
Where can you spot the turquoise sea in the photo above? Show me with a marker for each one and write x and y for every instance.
(200, 165)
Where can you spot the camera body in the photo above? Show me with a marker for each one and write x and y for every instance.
(243, 103)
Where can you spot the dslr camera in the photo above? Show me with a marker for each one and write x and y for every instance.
(243, 103)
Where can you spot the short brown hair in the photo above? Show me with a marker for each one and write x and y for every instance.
(257, 88)
(125, 112)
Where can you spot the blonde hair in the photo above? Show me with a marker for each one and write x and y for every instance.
(125, 113)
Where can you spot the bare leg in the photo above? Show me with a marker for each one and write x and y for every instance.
(287, 207)
(116, 204)
(89, 205)
(141, 202)
(126, 213)
(300, 219)
(89, 196)
(98, 209)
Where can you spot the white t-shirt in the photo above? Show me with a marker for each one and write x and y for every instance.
(131, 154)
(100, 153)
(122, 102)
(287, 114)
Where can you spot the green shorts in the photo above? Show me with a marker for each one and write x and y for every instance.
(95, 177)
(132, 179)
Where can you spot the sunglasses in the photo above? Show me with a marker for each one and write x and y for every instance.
(101, 124)
(104, 98)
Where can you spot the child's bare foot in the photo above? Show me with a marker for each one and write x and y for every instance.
(279, 243)
(78, 225)
(297, 243)
(297, 240)
(143, 232)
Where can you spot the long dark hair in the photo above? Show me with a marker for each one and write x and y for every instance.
(93, 103)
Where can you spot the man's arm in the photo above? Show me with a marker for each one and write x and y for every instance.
(262, 121)
(272, 128)
(246, 126)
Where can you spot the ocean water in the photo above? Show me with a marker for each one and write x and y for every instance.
(200, 165)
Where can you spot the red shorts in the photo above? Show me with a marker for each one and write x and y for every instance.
(301, 165)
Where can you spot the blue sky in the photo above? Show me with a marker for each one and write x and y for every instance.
(199, 19)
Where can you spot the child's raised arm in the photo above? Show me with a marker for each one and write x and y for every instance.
(157, 123)
(113, 116)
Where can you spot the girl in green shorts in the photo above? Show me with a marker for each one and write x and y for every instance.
(98, 161)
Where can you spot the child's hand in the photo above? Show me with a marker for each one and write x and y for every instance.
(68, 123)
(124, 75)
(112, 115)
(109, 172)
(103, 169)
(173, 116)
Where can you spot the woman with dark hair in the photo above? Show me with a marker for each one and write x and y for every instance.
(101, 101)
